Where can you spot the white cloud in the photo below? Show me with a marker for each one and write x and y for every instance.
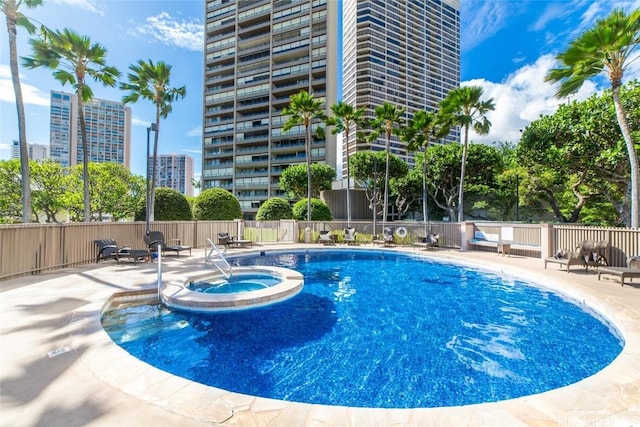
(171, 31)
(521, 98)
(551, 12)
(139, 122)
(89, 5)
(4, 146)
(196, 131)
(481, 20)
(192, 150)
(30, 94)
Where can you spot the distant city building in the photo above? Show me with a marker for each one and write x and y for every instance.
(108, 129)
(174, 171)
(258, 54)
(403, 52)
(36, 151)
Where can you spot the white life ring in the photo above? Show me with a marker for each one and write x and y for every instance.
(401, 232)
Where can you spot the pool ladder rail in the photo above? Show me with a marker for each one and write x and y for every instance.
(214, 257)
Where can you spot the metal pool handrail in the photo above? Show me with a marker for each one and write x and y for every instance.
(212, 257)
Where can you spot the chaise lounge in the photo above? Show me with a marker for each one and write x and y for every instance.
(429, 242)
(326, 239)
(387, 237)
(155, 238)
(587, 254)
(350, 236)
(228, 241)
(109, 249)
(623, 273)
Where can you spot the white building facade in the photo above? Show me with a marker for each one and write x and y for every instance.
(174, 171)
(36, 151)
(108, 129)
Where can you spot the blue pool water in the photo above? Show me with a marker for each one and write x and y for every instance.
(379, 329)
(235, 283)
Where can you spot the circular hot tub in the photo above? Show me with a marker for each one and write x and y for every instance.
(247, 287)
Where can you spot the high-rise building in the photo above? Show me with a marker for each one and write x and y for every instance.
(258, 54)
(174, 171)
(403, 52)
(36, 151)
(108, 129)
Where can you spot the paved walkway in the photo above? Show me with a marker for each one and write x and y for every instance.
(59, 367)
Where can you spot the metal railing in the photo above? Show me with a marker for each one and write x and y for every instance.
(216, 258)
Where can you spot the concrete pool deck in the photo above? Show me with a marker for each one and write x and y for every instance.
(59, 367)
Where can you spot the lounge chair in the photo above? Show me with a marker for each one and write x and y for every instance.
(108, 249)
(631, 271)
(586, 254)
(326, 239)
(228, 241)
(350, 236)
(387, 237)
(155, 238)
(429, 242)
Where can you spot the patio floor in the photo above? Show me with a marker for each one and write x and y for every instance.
(59, 367)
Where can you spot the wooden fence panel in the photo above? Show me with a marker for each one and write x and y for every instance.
(35, 248)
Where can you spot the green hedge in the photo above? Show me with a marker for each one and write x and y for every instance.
(216, 204)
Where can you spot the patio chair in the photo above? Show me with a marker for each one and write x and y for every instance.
(155, 238)
(587, 254)
(109, 249)
(350, 236)
(228, 241)
(326, 239)
(429, 242)
(631, 271)
(387, 237)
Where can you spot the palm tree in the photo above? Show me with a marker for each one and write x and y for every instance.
(74, 58)
(11, 10)
(302, 110)
(423, 126)
(464, 107)
(152, 82)
(345, 117)
(609, 44)
(388, 119)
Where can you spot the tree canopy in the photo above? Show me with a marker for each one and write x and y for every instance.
(293, 180)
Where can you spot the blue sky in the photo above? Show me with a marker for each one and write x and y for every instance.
(507, 46)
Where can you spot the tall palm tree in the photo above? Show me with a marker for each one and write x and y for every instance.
(422, 127)
(345, 117)
(152, 82)
(388, 119)
(464, 107)
(303, 109)
(608, 45)
(74, 58)
(11, 10)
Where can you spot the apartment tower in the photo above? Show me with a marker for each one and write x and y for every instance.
(35, 151)
(174, 171)
(108, 127)
(258, 54)
(403, 52)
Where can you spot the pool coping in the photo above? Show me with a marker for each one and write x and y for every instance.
(608, 397)
(175, 293)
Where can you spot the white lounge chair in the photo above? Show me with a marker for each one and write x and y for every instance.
(350, 236)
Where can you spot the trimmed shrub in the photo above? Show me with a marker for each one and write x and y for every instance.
(170, 205)
(216, 204)
(319, 210)
(275, 209)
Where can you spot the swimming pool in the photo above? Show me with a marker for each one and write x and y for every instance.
(379, 329)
